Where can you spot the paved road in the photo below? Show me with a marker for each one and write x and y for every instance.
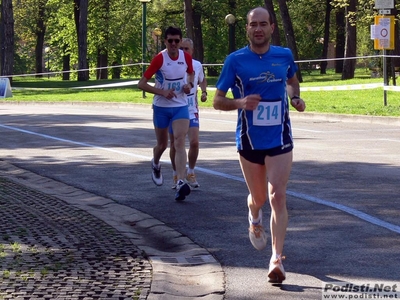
(343, 196)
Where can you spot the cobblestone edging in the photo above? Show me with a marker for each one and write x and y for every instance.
(84, 246)
(51, 250)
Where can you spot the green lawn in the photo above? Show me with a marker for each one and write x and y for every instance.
(360, 102)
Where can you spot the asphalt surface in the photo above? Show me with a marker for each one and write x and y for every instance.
(343, 201)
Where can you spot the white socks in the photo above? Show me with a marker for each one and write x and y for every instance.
(255, 221)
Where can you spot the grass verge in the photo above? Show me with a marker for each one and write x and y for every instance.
(358, 102)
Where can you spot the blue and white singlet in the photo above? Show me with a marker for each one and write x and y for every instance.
(246, 73)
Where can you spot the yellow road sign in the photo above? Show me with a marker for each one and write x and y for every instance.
(383, 32)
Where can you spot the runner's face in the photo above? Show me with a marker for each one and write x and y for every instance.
(185, 46)
(173, 42)
(259, 29)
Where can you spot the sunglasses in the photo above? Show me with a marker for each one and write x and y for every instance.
(173, 40)
(185, 48)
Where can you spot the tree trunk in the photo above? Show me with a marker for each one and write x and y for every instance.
(198, 32)
(349, 65)
(189, 19)
(81, 14)
(340, 39)
(40, 33)
(276, 38)
(7, 38)
(39, 55)
(289, 33)
(193, 28)
(116, 72)
(326, 36)
(66, 67)
(102, 61)
(102, 51)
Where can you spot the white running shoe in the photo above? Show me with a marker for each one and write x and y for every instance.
(276, 273)
(156, 174)
(191, 179)
(257, 235)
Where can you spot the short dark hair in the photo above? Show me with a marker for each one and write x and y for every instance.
(172, 30)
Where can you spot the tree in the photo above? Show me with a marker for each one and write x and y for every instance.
(198, 31)
(61, 35)
(31, 26)
(340, 39)
(276, 38)
(193, 27)
(40, 30)
(81, 19)
(289, 33)
(349, 65)
(66, 63)
(100, 33)
(188, 7)
(326, 36)
(7, 38)
(101, 22)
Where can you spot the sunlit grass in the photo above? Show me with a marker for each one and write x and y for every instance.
(360, 102)
(82, 95)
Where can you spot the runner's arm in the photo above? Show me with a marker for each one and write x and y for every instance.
(293, 90)
(221, 102)
(143, 84)
(190, 73)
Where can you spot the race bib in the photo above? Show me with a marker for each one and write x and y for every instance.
(190, 100)
(175, 84)
(268, 114)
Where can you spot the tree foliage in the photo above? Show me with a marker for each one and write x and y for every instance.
(110, 33)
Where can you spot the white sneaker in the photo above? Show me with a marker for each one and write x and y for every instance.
(191, 179)
(156, 174)
(257, 235)
(276, 273)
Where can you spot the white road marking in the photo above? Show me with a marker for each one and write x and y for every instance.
(346, 209)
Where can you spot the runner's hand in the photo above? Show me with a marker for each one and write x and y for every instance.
(250, 102)
(169, 94)
(187, 88)
(298, 104)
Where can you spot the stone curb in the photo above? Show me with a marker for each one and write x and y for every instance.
(181, 269)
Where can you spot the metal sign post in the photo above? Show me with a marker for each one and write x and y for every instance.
(383, 34)
(385, 78)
